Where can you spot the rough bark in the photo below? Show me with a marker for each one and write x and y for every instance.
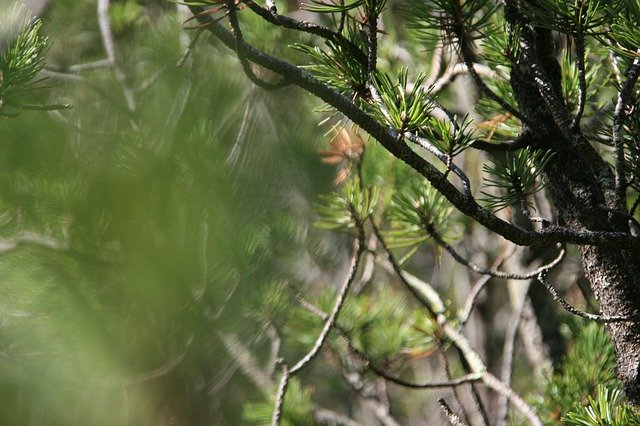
(581, 186)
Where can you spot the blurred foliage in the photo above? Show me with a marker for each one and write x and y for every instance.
(139, 234)
(584, 389)
(157, 255)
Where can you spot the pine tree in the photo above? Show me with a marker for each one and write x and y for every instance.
(555, 121)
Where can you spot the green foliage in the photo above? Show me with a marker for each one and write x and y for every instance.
(377, 329)
(571, 81)
(449, 21)
(606, 409)
(449, 136)
(296, 409)
(517, 177)
(337, 65)
(346, 210)
(416, 208)
(569, 17)
(404, 107)
(624, 32)
(21, 59)
(500, 45)
(588, 364)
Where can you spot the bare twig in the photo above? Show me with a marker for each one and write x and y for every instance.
(582, 81)
(447, 371)
(110, 48)
(507, 354)
(619, 118)
(434, 304)
(453, 418)
(239, 47)
(477, 288)
(493, 272)
(542, 277)
(280, 393)
(245, 360)
(457, 69)
(358, 248)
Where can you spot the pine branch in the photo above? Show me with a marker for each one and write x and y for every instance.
(303, 79)
(604, 319)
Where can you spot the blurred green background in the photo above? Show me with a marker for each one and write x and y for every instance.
(138, 239)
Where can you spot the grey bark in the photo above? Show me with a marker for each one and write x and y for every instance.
(582, 189)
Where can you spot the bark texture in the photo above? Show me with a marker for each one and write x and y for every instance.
(582, 186)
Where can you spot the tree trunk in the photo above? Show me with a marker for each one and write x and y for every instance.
(581, 186)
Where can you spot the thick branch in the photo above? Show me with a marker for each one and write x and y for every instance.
(389, 139)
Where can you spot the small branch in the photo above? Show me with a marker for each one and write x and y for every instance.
(446, 159)
(282, 389)
(593, 317)
(457, 69)
(324, 416)
(477, 288)
(358, 248)
(555, 105)
(447, 371)
(494, 383)
(432, 301)
(245, 360)
(453, 418)
(507, 355)
(582, 79)
(619, 118)
(493, 272)
(462, 380)
(470, 302)
(436, 64)
(110, 48)
(239, 47)
(271, 15)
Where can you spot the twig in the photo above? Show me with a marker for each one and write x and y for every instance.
(453, 418)
(282, 389)
(110, 48)
(493, 272)
(457, 69)
(358, 248)
(477, 288)
(507, 354)
(472, 297)
(436, 64)
(447, 371)
(619, 118)
(306, 27)
(324, 416)
(494, 383)
(434, 304)
(239, 47)
(245, 360)
(582, 81)
(593, 317)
